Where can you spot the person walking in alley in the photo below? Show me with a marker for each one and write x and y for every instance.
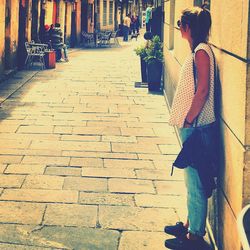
(193, 110)
(126, 26)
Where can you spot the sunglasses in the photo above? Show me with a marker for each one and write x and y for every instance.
(179, 23)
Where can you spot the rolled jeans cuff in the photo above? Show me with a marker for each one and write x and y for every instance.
(200, 234)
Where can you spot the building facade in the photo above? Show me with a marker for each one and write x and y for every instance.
(230, 42)
(23, 20)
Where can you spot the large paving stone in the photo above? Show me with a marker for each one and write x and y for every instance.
(43, 182)
(63, 129)
(170, 187)
(18, 144)
(96, 131)
(157, 157)
(148, 200)
(134, 164)
(61, 161)
(116, 185)
(112, 155)
(152, 174)
(170, 149)
(80, 138)
(117, 124)
(25, 169)
(137, 131)
(71, 215)
(86, 184)
(20, 212)
(134, 218)
(35, 129)
(108, 172)
(131, 139)
(56, 237)
(9, 159)
(142, 241)
(135, 148)
(40, 195)
(63, 171)
(72, 145)
(86, 162)
(106, 199)
(11, 181)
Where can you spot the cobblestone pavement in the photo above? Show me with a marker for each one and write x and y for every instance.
(85, 157)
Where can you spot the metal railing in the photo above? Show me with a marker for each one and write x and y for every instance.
(35, 51)
(243, 223)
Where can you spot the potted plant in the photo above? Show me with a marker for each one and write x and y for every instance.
(154, 59)
(141, 51)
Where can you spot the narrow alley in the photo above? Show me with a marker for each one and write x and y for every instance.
(86, 158)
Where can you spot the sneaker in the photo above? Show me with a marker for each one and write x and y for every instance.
(185, 244)
(178, 230)
(66, 60)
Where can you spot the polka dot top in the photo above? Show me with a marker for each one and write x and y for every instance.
(185, 93)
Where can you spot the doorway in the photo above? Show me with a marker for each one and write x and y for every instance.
(84, 16)
(73, 27)
(34, 23)
(21, 52)
(42, 20)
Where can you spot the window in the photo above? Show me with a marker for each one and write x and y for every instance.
(98, 19)
(200, 2)
(104, 21)
(111, 7)
(90, 12)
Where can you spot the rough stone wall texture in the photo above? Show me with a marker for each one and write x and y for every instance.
(49, 12)
(14, 7)
(2, 35)
(230, 33)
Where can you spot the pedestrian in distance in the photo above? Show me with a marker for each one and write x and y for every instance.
(132, 25)
(57, 43)
(126, 27)
(193, 112)
(148, 18)
(137, 24)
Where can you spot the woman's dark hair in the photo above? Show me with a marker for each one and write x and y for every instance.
(199, 21)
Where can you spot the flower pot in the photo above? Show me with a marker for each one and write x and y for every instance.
(154, 71)
(143, 70)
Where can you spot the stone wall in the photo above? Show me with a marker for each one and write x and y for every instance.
(2, 35)
(49, 13)
(229, 37)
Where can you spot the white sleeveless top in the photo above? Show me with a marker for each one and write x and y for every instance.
(185, 93)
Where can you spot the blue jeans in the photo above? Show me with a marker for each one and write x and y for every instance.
(196, 197)
(65, 51)
(125, 33)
